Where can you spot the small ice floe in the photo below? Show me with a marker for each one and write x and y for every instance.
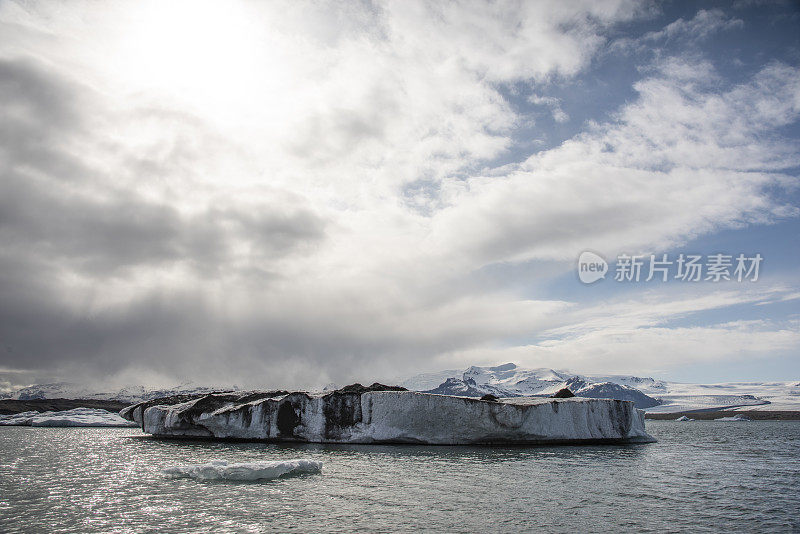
(223, 470)
(684, 418)
(739, 417)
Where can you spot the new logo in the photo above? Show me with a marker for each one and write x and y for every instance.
(591, 267)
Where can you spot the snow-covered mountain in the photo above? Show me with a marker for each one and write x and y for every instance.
(513, 380)
(67, 390)
(468, 388)
(610, 390)
(510, 380)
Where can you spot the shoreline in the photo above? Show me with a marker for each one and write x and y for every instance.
(710, 415)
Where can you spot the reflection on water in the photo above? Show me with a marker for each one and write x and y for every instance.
(699, 476)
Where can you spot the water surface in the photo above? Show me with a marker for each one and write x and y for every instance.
(700, 476)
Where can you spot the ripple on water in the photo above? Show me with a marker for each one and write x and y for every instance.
(706, 476)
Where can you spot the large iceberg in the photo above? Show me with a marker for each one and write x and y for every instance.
(379, 414)
(74, 417)
(247, 471)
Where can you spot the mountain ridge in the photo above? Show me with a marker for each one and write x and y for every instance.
(654, 395)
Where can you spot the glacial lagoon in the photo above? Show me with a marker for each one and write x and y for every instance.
(699, 476)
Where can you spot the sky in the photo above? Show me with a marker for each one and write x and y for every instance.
(287, 194)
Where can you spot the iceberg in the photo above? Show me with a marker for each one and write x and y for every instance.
(734, 418)
(22, 418)
(383, 414)
(74, 417)
(684, 418)
(222, 470)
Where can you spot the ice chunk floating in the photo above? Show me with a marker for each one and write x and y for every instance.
(379, 414)
(222, 470)
(738, 417)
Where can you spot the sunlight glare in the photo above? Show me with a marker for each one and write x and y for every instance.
(208, 55)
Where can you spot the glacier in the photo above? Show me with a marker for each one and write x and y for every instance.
(130, 394)
(74, 417)
(246, 471)
(379, 414)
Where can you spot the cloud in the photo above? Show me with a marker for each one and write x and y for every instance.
(656, 350)
(57, 205)
(313, 194)
(678, 162)
(690, 32)
(704, 23)
(551, 102)
(646, 335)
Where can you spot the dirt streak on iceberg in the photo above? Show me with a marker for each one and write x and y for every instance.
(381, 414)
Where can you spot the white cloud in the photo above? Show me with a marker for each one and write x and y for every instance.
(640, 336)
(704, 23)
(551, 102)
(295, 188)
(678, 162)
(689, 32)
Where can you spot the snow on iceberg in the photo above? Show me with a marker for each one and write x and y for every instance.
(222, 470)
(74, 417)
(379, 414)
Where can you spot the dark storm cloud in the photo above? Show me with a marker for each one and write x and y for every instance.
(39, 114)
(95, 225)
(33, 97)
(62, 219)
(185, 334)
(98, 236)
(43, 332)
